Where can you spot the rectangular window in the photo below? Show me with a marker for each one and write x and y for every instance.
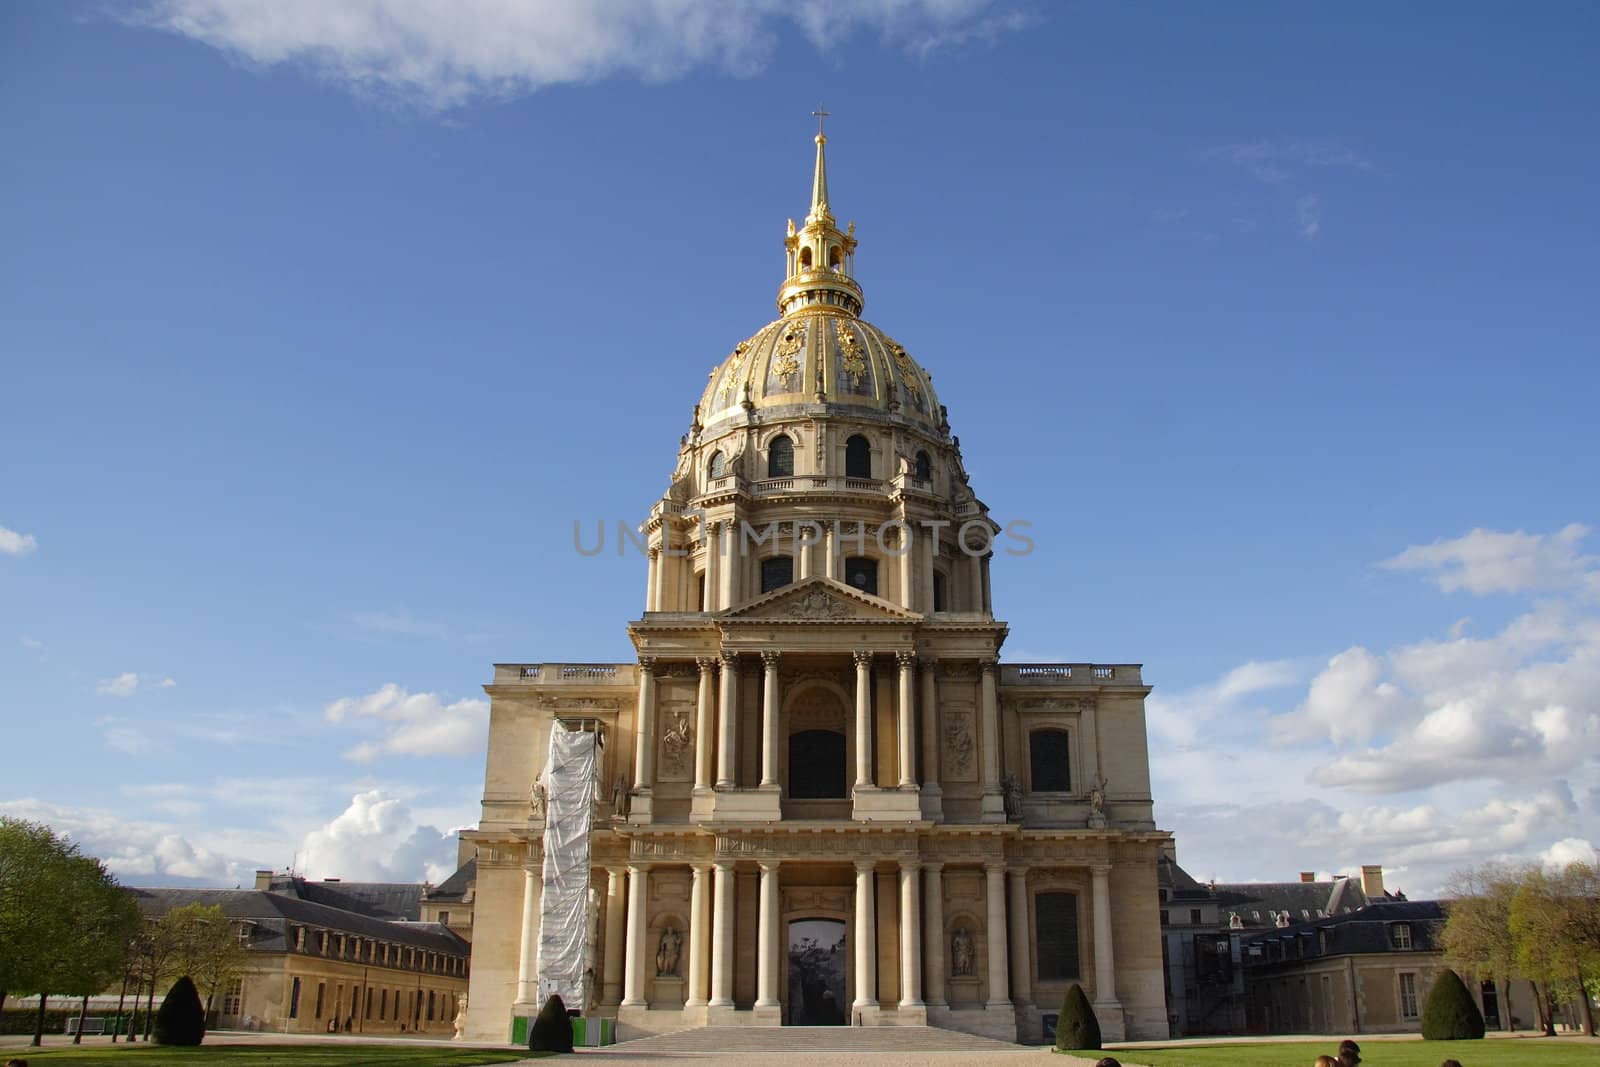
(430, 1005)
(776, 573)
(322, 988)
(1194, 916)
(300, 939)
(1164, 919)
(369, 1002)
(1056, 919)
(383, 1004)
(1400, 935)
(294, 997)
(444, 918)
(232, 997)
(1047, 761)
(1408, 996)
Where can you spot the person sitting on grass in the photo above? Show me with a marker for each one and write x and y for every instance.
(1349, 1053)
(1324, 1061)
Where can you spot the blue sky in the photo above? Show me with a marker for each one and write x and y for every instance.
(316, 335)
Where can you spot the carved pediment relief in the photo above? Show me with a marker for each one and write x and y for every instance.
(820, 599)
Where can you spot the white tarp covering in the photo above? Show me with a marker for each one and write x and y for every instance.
(569, 776)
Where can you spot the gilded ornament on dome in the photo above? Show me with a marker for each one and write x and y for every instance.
(852, 358)
(908, 371)
(787, 364)
(735, 362)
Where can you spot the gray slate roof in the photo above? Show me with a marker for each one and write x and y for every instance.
(380, 900)
(455, 887)
(1302, 900)
(1362, 931)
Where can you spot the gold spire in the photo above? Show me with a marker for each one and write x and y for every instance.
(821, 256)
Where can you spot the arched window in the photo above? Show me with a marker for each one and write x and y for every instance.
(862, 573)
(718, 467)
(776, 573)
(816, 765)
(805, 259)
(1056, 921)
(835, 257)
(780, 457)
(1047, 761)
(924, 467)
(857, 457)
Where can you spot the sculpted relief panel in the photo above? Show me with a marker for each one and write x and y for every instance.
(960, 762)
(675, 762)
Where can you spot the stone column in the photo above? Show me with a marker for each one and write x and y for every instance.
(705, 724)
(1021, 976)
(905, 729)
(995, 892)
(722, 937)
(652, 582)
(830, 550)
(769, 719)
(713, 566)
(528, 957)
(933, 934)
(930, 548)
(633, 964)
(644, 736)
(930, 728)
(728, 544)
(699, 936)
(728, 722)
(767, 944)
(908, 591)
(616, 904)
(910, 937)
(975, 590)
(863, 719)
(1105, 966)
(866, 939)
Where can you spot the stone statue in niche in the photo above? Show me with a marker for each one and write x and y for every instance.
(538, 798)
(619, 797)
(1097, 801)
(668, 950)
(963, 954)
(1011, 790)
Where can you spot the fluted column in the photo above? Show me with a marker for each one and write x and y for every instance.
(908, 591)
(769, 719)
(722, 937)
(933, 934)
(528, 956)
(1021, 978)
(930, 728)
(993, 809)
(995, 892)
(699, 936)
(705, 723)
(863, 719)
(616, 905)
(633, 965)
(652, 583)
(728, 722)
(1105, 966)
(866, 939)
(905, 728)
(644, 737)
(929, 545)
(910, 936)
(767, 943)
(713, 566)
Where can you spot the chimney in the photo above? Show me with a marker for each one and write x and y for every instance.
(1372, 880)
(263, 880)
(1308, 876)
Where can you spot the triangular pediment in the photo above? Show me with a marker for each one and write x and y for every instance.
(819, 599)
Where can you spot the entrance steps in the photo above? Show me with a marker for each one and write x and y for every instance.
(757, 1039)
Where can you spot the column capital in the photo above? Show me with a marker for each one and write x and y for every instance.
(701, 867)
(988, 665)
(707, 664)
(906, 659)
(730, 659)
(864, 866)
(769, 659)
(863, 659)
(933, 866)
(928, 662)
(535, 869)
(1100, 870)
(654, 551)
(647, 664)
(724, 865)
(1017, 870)
(769, 866)
(639, 867)
(616, 871)
(992, 867)
(911, 864)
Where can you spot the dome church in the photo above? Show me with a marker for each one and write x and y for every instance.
(818, 796)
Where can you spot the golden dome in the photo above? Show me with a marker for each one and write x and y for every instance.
(812, 357)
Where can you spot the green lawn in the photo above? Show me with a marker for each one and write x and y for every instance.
(1531, 1052)
(268, 1056)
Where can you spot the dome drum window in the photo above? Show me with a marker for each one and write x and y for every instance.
(857, 457)
(780, 457)
(861, 573)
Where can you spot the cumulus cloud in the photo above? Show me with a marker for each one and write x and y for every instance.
(1494, 561)
(376, 839)
(123, 685)
(138, 852)
(16, 544)
(440, 56)
(412, 724)
(1570, 850)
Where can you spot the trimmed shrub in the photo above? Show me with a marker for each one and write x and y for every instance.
(1077, 1027)
(552, 1030)
(181, 1019)
(1450, 1014)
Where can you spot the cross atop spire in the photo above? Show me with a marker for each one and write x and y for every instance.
(821, 255)
(820, 114)
(819, 179)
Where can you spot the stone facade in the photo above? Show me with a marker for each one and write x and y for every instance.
(822, 797)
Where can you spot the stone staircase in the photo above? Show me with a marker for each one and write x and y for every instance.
(744, 1040)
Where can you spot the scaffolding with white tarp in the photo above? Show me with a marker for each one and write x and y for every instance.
(567, 912)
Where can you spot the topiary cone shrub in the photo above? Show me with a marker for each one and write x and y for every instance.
(181, 1019)
(552, 1030)
(1450, 1014)
(1077, 1027)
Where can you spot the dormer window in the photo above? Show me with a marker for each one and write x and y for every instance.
(1400, 935)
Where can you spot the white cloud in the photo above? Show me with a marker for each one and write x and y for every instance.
(16, 544)
(138, 852)
(1347, 701)
(1493, 561)
(376, 839)
(1570, 850)
(165, 683)
(1275, 162)
(413, 724)
(1308, 215)
(123, 685)
(32, 644)
(440, 56)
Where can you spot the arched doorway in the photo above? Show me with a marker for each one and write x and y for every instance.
(817, 959)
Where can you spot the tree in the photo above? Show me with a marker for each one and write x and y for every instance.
(1477, 936)
(204, 945)
(1450, 1013)
(182, 1019)
(1076, 1026)
(552, 1029)
(63, 918)
(1552, 917)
